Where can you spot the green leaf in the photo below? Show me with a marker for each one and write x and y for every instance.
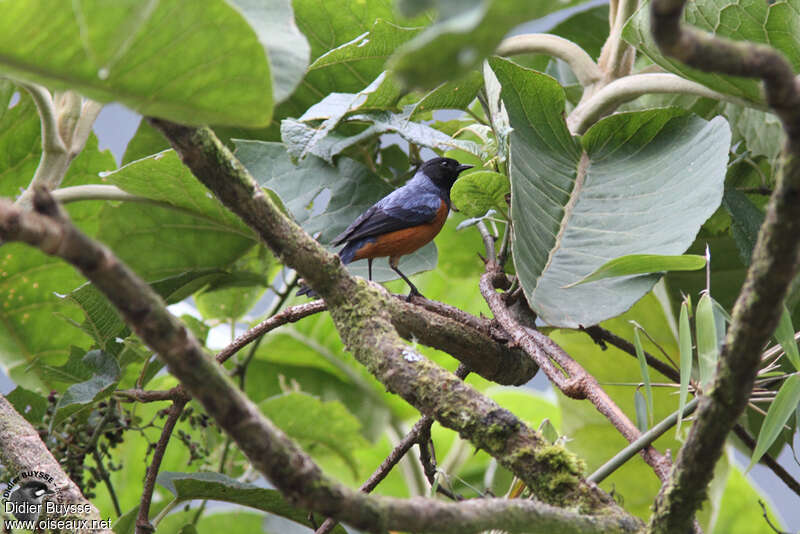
(475, 193)
(28, 404)
(462, 36)
(781, 409)
(641, 411)
(353, 190)
(145, 55)
(456, 94)
(103, 321)
(37, 328)
(300, 138)
(685, 343)
(577, 203)
(319, 427)
(175, 236)
(757, 22)
(343, 24)
(105, 373)
(746, 221)
(379, 42)
(232, 295)
(643, 264)
(218, 487)
(707, 347)
(784, 334)
(648, 390)
(287, 48)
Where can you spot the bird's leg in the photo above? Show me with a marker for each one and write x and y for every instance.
(414, 291)
(369, 266)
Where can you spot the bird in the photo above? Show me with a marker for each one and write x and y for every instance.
(403, 221)
(27, 500)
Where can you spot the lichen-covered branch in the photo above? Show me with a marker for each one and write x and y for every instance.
(21, 449)
(361, 315)
(773, 265)
(281, 460)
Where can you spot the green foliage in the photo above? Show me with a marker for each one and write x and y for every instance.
(129, 51)
(216, 487)
(563, 188)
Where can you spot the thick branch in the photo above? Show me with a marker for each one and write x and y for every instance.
(278, 457)
(773, 265)
(361, 315)
(21, 449)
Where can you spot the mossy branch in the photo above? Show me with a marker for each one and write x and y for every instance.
(280, 459)
(773, 265)
(362, 316)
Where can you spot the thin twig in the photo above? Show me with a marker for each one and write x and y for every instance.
(420, 428)
(143, 525)
(564, 372)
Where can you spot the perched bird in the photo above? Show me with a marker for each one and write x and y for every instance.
(402, 221)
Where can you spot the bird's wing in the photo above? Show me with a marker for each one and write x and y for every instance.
(403, 208)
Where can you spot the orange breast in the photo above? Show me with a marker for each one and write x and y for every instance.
(405, 241)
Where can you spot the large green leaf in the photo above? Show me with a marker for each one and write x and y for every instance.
(463, 35)
(300, 137)
(217, 487)
(194, 62)
(321, 428)
(345, 24)
(781, 409)
(189, 230)
(32, 330)
(353, 189)
(287, 48)
(635, 183)
(751, 20)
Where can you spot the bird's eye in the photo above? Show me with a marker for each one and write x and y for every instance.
(443, 163)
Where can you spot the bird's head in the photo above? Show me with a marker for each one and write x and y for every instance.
(443, 171)
(34, 491)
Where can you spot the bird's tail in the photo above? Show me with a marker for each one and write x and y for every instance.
(347, 254)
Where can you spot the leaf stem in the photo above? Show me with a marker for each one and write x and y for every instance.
(631, 87)
(643, 441)
(581, 63)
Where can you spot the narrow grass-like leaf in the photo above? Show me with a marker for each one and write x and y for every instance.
(648, 390)
(781, 409)
(784, 335)
(643, 264)
(685, 343)
(707, 349)
(641, 411)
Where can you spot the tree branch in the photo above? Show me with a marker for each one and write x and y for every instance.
(143, 525)
(773, 265)
(421, 427)
(21, 449)
(279, 458)
(361, 314)
(564, 372)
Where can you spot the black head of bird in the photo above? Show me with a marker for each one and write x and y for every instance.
(28, 498)
(443, 171)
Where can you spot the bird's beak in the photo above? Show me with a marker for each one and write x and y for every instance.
(462, 168)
